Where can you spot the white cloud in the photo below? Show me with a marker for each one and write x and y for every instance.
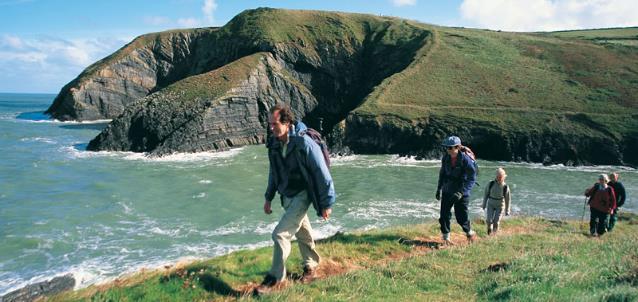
(209, 8)
(188, 22)
(45, 64)
(403, 2)
(547, 15)
(11, 41)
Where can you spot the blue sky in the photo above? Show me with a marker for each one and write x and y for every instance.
(44, 44)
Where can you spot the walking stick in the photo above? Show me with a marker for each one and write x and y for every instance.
(582, 219)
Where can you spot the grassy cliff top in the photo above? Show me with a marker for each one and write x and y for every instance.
(531, 259)
(468, 71)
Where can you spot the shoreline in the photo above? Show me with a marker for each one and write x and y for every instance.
(170, 268)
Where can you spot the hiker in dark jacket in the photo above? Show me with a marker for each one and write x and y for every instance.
(619, 189)
(602, 203)
(496, 201)
(293, 156)
(456, 179)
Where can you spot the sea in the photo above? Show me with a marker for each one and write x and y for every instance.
(100, 215)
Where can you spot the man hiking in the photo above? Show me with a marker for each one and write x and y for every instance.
(619, 189)
(496, 201)
(456, 179)
(299, 173)
(602, 203)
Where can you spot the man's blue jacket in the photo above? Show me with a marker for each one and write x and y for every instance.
(286, 176)
(461, 178)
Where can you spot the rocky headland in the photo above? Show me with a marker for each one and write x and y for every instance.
(373, 84)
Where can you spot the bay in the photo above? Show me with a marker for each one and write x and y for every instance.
(102, 214)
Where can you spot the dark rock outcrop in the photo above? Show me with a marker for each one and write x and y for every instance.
(164, 122)
(322, 81)
(359, 78)
(422, 138)
(38, 290)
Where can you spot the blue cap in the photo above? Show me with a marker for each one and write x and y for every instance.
(451, 141)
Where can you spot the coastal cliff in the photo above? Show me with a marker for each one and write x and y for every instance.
(373, 84)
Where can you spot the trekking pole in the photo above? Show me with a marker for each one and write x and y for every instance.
(582, 218)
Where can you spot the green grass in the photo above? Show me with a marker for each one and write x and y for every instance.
(515, 82)
(533, 259)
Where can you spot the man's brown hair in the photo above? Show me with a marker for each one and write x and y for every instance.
(285, 114)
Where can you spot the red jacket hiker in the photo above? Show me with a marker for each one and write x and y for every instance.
(602, 199)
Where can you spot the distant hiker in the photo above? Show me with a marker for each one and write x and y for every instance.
(496, 201)
(602, 203)
(299, 173)
(619, 189)
(456, 179)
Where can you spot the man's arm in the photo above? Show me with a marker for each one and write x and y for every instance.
(270, 190)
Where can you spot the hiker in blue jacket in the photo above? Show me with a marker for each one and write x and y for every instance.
(456, 179)
(621, 195)
(299, 173)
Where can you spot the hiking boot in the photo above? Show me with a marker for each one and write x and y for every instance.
(309, 274)
(266, 286)
(471, 236)
(446, 239)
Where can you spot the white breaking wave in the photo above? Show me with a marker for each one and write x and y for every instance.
(380, 210)
(200, 195)
(74, 153)
(39, 139)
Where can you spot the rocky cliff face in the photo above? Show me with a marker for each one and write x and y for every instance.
(422, 138)
(321, 79)
(374, 84)
(171, 121)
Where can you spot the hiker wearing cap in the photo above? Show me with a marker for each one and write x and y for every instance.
(619, 189)
(299, 173)
(456, 179)
(496, 201)
(602, 203)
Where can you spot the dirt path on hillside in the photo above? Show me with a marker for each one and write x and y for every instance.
(420, 246)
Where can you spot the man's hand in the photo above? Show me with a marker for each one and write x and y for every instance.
(325, 213)
(438, 195)
(458, 195)
(267, 208)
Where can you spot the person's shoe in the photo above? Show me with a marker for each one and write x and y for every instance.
(266, 285)
(446, 239)
(309, 274)
(471, 236)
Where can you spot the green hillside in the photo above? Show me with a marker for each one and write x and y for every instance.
(476, 71)
(385, 85)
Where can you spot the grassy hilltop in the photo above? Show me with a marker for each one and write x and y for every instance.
(532, 259)
(380, 85)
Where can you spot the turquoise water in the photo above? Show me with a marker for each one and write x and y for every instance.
(101, 214)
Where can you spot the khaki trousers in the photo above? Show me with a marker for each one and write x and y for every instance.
(294, 222)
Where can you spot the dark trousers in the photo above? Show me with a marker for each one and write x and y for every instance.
(598, 221)
(460, 212)
(612, 219)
